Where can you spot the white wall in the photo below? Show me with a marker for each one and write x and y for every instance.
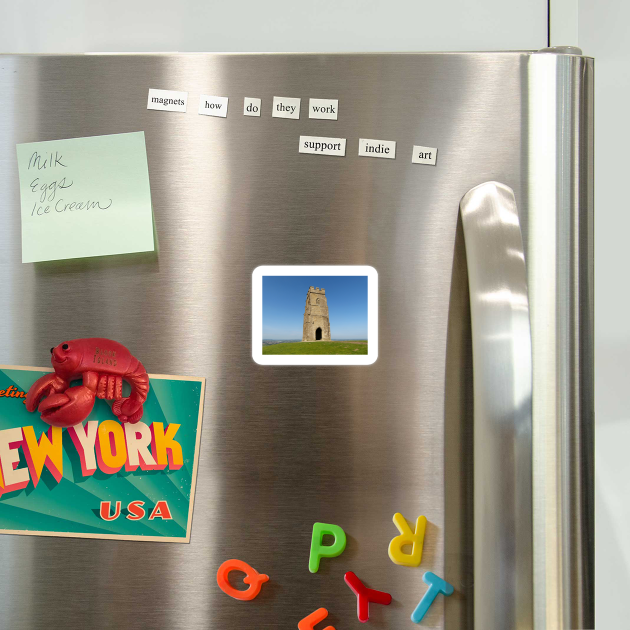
(270, 25)
(604, 29)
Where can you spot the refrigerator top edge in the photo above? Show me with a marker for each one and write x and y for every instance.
(466, 53)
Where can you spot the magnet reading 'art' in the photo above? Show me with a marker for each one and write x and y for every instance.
(102, 364)
(407, 537)
(319, 551)
(252, 577)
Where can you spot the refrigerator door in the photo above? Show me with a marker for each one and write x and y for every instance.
(284, 447)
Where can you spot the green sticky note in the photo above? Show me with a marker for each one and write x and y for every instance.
(85, 197)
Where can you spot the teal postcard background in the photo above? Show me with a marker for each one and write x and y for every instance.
(72, 505)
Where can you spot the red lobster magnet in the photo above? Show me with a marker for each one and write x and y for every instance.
(103, 364)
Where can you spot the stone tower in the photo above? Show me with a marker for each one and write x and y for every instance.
(316, 323)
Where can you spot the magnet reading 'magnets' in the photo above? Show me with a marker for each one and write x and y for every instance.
(103, 364)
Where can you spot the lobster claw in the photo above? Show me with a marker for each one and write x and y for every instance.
(68, 408)
(128, 410)
(43, 386)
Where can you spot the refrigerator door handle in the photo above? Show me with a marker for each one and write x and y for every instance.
(502, 373)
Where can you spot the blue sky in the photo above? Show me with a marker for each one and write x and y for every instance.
(284, 298)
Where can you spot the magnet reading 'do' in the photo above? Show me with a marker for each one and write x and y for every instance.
(102, 364)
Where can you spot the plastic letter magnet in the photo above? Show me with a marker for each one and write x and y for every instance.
(319, 551)
(436, 586)
(365, 596)
(252, 577)
(407, 537)
(308, 623)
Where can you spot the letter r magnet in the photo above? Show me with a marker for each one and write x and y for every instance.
(407, 537)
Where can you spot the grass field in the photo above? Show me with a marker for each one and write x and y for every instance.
(318, 347)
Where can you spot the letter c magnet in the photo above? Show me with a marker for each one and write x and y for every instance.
(252, 577)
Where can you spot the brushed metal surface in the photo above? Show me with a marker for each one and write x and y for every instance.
(502, 368)
(281, 447)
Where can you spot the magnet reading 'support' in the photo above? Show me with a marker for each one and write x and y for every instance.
(252, 577)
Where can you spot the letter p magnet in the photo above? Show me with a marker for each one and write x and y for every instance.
(319, 551)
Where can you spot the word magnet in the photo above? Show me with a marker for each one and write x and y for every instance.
(213, 105)
(167, 100)
(322, 146)
(252, 577)
(251, 106)
(436, 586)
(424, 155)
(365, 595)
(323, 108)
(285, 107)
(319, 550)
(377, 148)
(407, 537)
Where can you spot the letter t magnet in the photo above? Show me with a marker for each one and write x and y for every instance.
(436, 586)
(407, 537)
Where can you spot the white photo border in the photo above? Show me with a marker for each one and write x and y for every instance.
(314, 270)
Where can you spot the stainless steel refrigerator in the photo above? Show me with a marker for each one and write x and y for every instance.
(478, 412)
